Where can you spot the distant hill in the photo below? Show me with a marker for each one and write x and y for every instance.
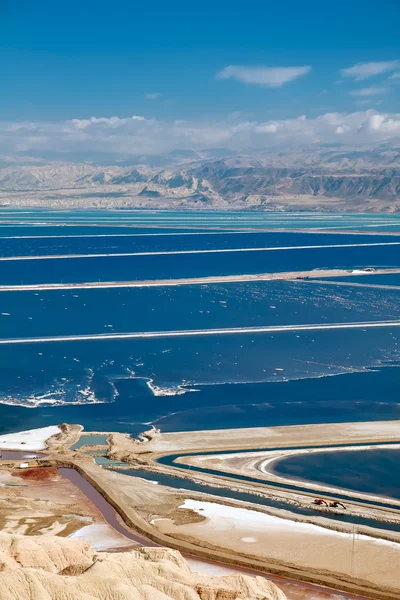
(314, 177)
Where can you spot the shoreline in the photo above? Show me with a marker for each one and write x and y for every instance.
(136, 500)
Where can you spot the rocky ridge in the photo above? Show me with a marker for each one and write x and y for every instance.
(320, 177)
(45, 568)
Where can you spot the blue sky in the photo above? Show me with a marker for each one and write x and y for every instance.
(206, 62)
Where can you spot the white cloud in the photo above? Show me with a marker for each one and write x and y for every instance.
(138, 135)
(382, 124)
(268, 76)
(368, 102)
(153, 96)
(395, 75)
(362, 71)
(369, 91)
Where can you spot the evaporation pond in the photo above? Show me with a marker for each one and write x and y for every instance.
(190, 307)
(199, 264)
(90, 440)
(369, 471)
(107, 241)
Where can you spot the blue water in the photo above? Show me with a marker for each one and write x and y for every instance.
(84, 311)
(195, 382)
(89, 370)
(110, 240)
(199, 382)
(391, 279)
(372, 471)
(350, 397)
(193, 265)
(24, 231)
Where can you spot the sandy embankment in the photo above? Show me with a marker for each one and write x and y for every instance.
(289, 275)
(260, 465)
(163, 515)
(326, 434)
(248, 464)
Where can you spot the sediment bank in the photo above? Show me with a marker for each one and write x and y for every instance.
(246, 277)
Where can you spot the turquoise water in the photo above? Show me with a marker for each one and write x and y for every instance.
(107, 462)
(293, 220)
(90, 440)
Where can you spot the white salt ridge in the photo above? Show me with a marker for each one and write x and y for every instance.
(158, 390)
(228, 518)
(33, 439)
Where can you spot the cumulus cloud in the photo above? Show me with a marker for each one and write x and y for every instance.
(268, 76)
(138, 135)
(153, 96)
(362, 71)
(369, 91)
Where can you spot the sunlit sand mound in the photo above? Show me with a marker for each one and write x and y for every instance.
(47, 568)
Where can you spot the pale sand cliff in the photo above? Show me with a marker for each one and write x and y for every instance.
(42, 568)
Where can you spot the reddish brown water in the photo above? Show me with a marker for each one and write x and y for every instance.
(19, 455)
(102, 505)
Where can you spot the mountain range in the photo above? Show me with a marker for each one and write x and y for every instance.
(329, 177)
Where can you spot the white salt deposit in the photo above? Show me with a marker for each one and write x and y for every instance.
(101, 536)
(228, 518)
(33, 439)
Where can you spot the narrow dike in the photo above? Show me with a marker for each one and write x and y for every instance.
(108, 512)
(89, 488)
(169, 460)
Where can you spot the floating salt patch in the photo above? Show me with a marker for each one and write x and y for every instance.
(248, 540)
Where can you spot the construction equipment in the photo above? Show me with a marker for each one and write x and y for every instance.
(321, 502)
(336, 504)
